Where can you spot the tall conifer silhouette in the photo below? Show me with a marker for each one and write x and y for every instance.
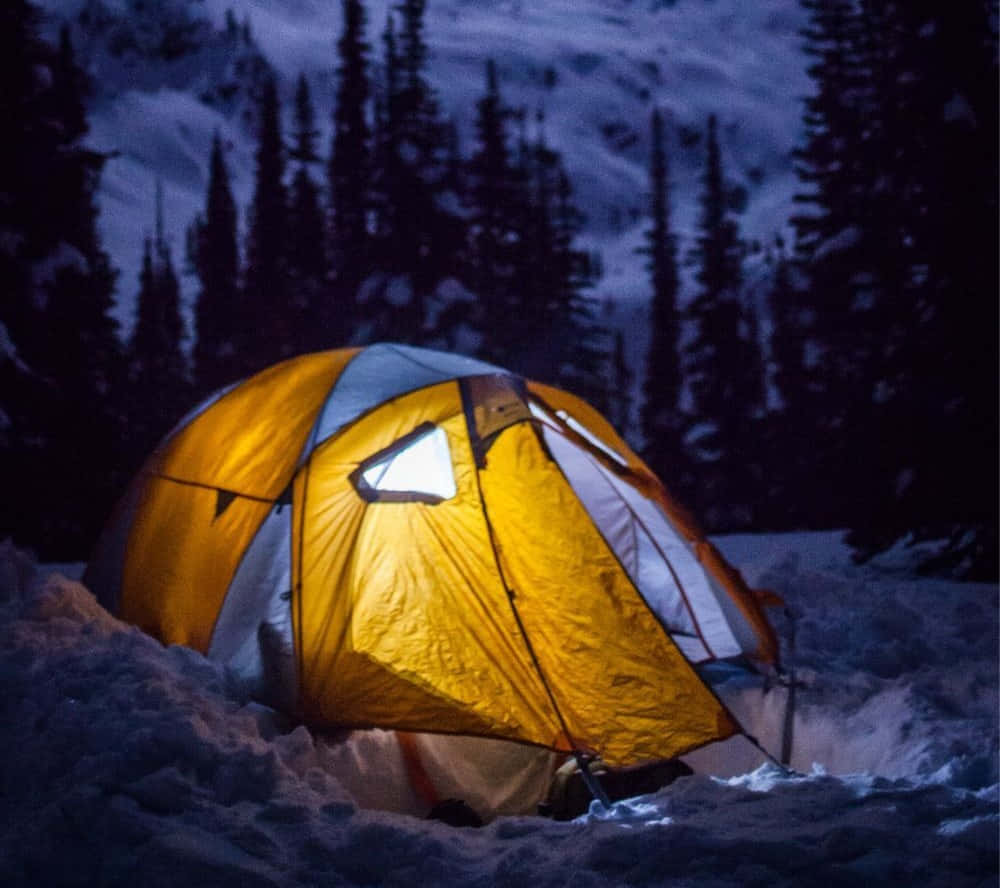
(158, 383)
(661, 419)
(309, 300)
(496, 198)
(349, 174)
(219, 318)
(62, 394)
(723, 361)
(265, 331)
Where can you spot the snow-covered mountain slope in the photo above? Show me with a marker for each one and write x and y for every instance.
(595, 67)
(129, 763)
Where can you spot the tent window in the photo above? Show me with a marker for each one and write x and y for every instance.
(416, 468)
(591, 438)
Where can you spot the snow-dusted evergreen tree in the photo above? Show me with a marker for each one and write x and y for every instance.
(580, 345)
(349, 175)
(723, 362)
(953, 353)
(661, 419)
(61, 398)
(496, 198)
(900, 199)
(157, 369)
(556, 336)
(793, 488)
(219, 313)
(385, 142)
(266, 334)
(419, 234)
(620, 403)
(308, 306)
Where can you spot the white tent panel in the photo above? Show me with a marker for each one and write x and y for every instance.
(659, 562)
(658, 586)
(713, 627)
(253, 633)
(636, 550)
(385, 371)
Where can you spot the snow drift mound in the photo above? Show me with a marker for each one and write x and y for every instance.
(896, 676)
(129, 763)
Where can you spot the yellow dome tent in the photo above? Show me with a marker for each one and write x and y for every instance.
(401, 538)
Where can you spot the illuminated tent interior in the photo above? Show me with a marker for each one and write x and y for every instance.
(407, 540)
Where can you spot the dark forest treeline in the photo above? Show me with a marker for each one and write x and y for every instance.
(62, 367)
(871, 404)
(882, 359)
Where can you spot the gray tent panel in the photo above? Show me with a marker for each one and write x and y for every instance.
(253, 634)
(385, 371)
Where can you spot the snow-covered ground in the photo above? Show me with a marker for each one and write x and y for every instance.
(125, 762)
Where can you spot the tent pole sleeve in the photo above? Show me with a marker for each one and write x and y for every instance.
(591, 781)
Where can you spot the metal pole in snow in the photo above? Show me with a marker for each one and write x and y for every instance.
(591, 781)
(788, 727)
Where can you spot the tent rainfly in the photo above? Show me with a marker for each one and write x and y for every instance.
(398, 538)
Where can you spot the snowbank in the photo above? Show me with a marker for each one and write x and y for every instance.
(129, 763)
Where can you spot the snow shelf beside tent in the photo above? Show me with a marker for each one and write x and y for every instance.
(405, 539)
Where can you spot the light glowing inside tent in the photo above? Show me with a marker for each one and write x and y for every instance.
(423, 466)
(591, 438)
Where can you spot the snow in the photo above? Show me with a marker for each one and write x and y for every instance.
(129, 763)
(44, 272)
(8, 350)
(842, 240)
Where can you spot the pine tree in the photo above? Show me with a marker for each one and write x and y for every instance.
(620, 406)
(265, 331)
(349, 172)
(218, 311)
(953, 386)
(157, 377)
(661, 418)
(723, 361)
(844, 323)
(310, 324)
(931, 221)
(385, 139)
(535, 324)
(794, 489)
(496, 197)
(419, 233)
(554, 334)
(894, 252)
(581, 347)
(63, 407)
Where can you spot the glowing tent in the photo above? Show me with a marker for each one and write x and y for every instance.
(401, 538)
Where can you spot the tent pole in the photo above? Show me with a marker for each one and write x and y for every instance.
(590, 779)
(788, 727)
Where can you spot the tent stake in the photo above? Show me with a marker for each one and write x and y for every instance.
(788, 727)
(593, 784)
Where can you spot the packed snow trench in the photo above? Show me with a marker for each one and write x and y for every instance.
(127, 763)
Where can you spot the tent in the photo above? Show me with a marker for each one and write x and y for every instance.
(398, 538)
